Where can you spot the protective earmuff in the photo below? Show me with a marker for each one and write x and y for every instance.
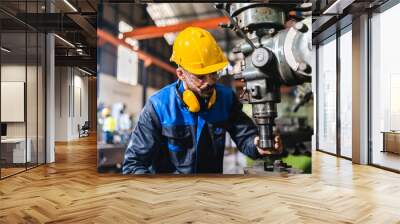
(191, 101)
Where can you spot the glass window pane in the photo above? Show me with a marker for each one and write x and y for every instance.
(385, 83)
(327, 97)
(31, 97)
(32, 86)
(14, 153)
(41, 99)
(346, 94)
(22, 87)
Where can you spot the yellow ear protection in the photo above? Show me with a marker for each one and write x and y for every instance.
(191, 101)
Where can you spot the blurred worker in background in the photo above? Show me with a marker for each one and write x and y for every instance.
(109, 126)
(182, 127)
(124, 125)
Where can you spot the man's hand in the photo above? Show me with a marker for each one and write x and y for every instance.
(278, 147)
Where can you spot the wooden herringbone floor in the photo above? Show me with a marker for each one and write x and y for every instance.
(71, 191)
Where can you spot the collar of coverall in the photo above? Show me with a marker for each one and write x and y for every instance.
(181, 87)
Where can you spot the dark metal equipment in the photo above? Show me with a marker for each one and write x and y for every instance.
(275, 54)
(83, 131)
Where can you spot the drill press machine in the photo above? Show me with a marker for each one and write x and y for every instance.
(275, 54)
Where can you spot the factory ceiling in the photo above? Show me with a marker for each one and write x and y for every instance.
(75, 21)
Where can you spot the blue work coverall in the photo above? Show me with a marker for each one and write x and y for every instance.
(168, 138)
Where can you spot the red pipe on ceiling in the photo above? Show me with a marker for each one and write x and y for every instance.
(148, 32)
(147, 58)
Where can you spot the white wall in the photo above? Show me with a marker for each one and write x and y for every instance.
(80, 109)
(61, 103)
(33, 127)
(112, 91)
(71, 94)
(12, 73)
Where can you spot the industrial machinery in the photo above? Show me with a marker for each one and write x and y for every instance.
(277, 51)
(303, 95)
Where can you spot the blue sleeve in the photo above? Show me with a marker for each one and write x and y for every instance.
(144, 143)
(242, 130)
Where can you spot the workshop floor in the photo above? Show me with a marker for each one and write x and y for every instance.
(71, 191)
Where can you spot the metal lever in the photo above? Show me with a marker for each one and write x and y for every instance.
(235, 25)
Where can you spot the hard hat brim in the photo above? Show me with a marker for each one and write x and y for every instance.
(207, 70)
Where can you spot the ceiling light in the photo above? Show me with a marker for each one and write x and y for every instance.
(5, 50)
(124, 27)
(70, 5)
(65, 41)
(163, 14)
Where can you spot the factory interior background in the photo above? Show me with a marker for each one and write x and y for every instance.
(62, 62)
(127, 77)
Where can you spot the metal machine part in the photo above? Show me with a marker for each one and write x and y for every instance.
(303, 95)
(273, 56)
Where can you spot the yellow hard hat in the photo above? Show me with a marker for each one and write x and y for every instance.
(106, 111)
(196, 51)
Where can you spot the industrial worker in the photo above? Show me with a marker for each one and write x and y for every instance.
(182, 127)
(124, 125)
(109, 126)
